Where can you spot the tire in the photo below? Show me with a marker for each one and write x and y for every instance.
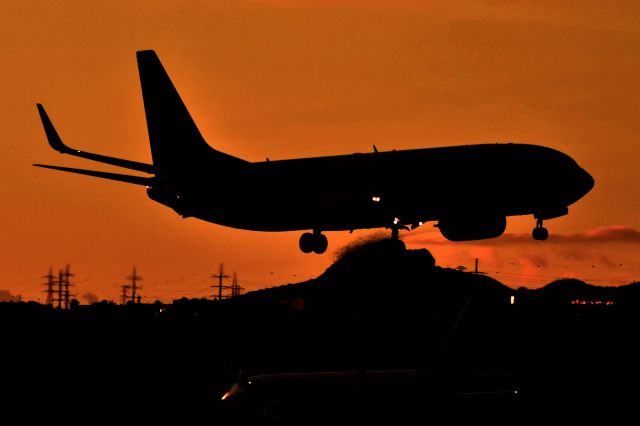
(307, 242)
(320, 244)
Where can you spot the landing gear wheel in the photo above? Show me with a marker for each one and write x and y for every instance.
(321, 243)
(315, 242)
(307, 242)
(540, 233)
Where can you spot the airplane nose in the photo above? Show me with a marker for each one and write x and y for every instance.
(578, 184)
(581, 183)
(585, 181)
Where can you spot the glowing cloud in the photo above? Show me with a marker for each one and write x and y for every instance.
(607, 234)
(6, 296)
(90, 297)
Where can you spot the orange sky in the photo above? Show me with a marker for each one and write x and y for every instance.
(285, 79)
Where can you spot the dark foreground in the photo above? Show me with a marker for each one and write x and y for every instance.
(406, 341)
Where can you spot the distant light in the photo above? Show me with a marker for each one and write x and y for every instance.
(515, 391)
(78, 151)
(513, 300)
(225, 396)
(420, 223)
(396, 220)
(375, 199)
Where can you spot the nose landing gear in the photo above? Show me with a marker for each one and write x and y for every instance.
(540, 233)
(313, 242)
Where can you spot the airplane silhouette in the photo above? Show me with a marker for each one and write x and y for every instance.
(468, 190)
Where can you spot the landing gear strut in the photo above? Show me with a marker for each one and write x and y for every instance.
(395, 241)
(540, 233)
(313, 242)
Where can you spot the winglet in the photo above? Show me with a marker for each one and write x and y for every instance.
(52, 135)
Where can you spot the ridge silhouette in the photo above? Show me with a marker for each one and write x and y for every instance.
(377, 308)
(379, 267)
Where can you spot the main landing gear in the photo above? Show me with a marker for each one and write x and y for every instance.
(540, 233)
(313, 242)
(316, 242)
(395, 242)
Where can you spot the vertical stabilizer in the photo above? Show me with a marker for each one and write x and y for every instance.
(177, 147)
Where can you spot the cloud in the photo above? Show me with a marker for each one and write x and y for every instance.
(6, 296)
(609, 234)
(605, 260)
(90, 297)
(537, 260)
(606, 234)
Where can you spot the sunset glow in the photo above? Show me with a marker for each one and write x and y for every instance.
(286, 79)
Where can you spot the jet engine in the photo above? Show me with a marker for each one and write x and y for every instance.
(472, 227)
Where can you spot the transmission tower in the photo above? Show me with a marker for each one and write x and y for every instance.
(134, 278)
(133, 286)
(236, 290)
(60, 284)
(66, 284)
(124, 296)
(220, 286)
(51, 280)
(58, 288)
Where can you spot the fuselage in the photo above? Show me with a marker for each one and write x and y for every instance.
(370, 190)
(469, 190)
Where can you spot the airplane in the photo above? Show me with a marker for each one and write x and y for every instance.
(468, 190)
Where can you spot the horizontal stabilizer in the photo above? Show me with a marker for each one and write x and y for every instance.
(137, 180)
(56, 143)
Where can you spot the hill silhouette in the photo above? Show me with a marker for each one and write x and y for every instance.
(377, 270)
(386, 308)
(377, 307)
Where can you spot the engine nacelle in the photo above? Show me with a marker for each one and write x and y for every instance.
(472, 227)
